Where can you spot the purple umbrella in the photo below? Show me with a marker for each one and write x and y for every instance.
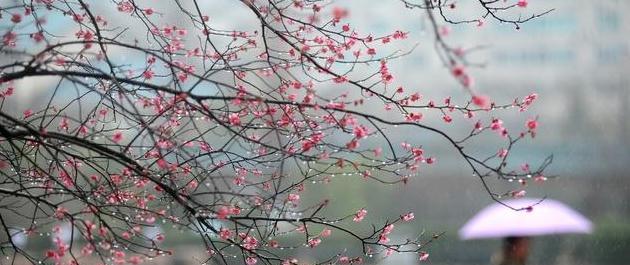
(543, 218)
(547, 217)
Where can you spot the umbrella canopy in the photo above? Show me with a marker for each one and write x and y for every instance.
(547, 217)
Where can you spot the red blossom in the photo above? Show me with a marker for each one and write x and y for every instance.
(424, 256)
(358, 217)
(339, 13)
(481, 101)
(125, 7)
(16, 18)
(117, 137)
(407, 217)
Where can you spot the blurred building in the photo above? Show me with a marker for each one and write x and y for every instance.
(577, 58)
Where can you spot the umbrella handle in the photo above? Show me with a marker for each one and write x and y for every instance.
(515, 251)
